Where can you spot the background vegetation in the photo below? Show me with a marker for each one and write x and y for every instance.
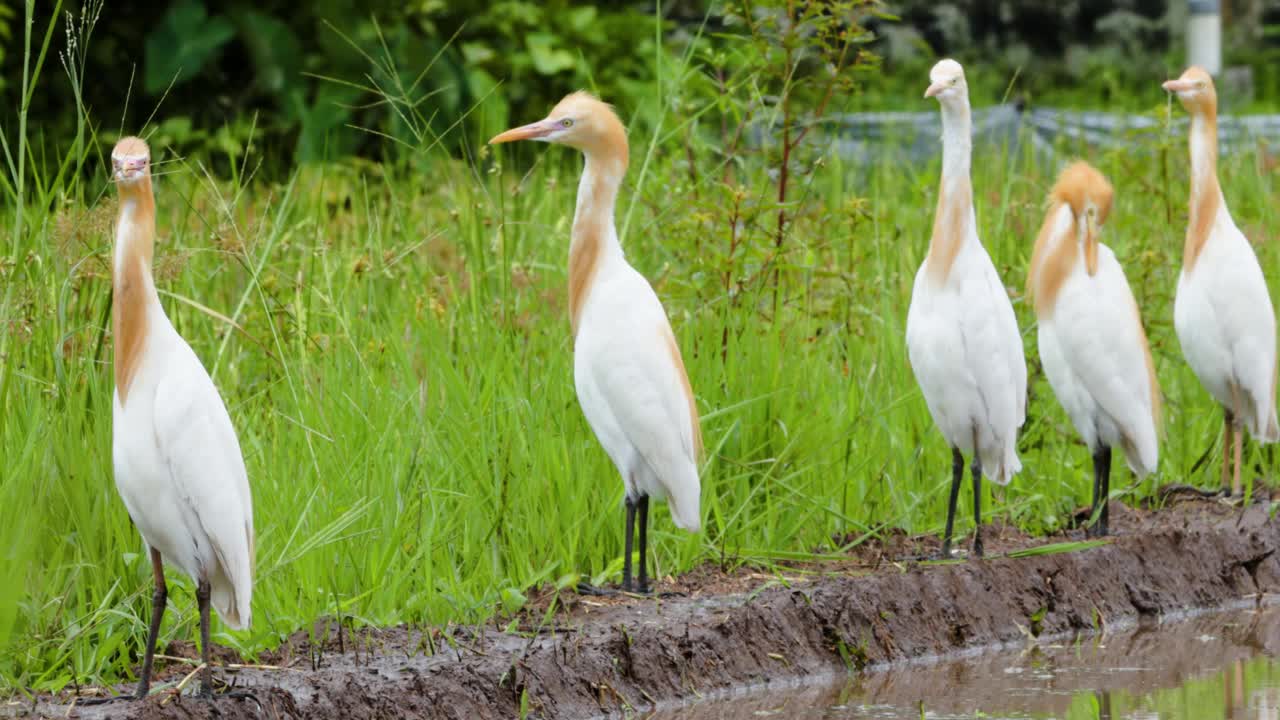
(380, 297)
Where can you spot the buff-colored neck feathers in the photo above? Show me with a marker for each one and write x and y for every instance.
(1084, 190)
(131, 271)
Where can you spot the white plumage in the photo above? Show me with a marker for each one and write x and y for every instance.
(177, 461)
(628, 372)
(962, 336)
(966, 353)
(1226, 326)
(631, 391)
(1092, 345)
(180, 473)
(1222, 312)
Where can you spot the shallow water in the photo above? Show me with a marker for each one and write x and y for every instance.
(1220, 666)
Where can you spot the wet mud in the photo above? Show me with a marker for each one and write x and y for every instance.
(614, 656)
(1041, 678)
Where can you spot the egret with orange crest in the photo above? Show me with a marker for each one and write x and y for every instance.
(627, 368)
(1092, 345)
(1222, 311)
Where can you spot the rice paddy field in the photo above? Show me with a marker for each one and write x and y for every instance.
(393, 346)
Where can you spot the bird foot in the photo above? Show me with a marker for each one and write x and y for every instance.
(595, 591)
(933, 556)
(90, 702)
(207, 693)
(1168, 491)
(628, 591)
(1226, 497)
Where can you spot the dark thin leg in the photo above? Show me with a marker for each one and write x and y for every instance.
(1228, 424)
(626, 559)
(206, 675)
(1092, 529)
(1237, 489)
(1101, 491)
(158, 599)
(643, 508)
(976, 471)
(957, 474)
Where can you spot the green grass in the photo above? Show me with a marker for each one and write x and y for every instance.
(395, 354)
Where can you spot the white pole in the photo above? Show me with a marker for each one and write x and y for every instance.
(1204, 35)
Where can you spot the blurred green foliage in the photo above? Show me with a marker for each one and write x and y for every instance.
(308, 81)
(322, 79)
(8, 17)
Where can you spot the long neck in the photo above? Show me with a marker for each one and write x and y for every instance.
(1055, 256)
(953, 218)
(133, 289)
(1206, 194)
(595, 239)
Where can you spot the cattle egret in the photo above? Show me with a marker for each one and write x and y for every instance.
(177, 462)
(962, 337)
(627, 369)
(1222, 312)
(1091, 340)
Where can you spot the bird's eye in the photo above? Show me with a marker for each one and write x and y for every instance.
(567, 122)
(955, 80)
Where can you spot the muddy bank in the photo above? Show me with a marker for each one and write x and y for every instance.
(606, 657)
(1041, 679)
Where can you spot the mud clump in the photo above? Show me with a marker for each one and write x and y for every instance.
(605, 658)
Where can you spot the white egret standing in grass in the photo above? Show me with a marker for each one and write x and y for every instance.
(1222, 312)
(962, 336)
(1092, 345)
(177, 462)
(627, 369)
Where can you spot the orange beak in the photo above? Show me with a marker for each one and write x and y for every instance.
(1091, 245)
(532, 131)
(1179, 85)
(934, 89)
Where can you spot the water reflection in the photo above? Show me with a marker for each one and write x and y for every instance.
(1212, 667)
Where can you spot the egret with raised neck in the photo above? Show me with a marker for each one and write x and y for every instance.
(962, 336)
(627, 368)
(177, 461)
(1092, 345)
(1222, 311)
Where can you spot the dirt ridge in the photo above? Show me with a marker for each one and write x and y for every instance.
(636, 655)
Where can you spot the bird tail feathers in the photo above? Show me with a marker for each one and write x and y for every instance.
(1270, 429)
(684, 501)
(231, 585)
(1142, 455)
(1001, 464)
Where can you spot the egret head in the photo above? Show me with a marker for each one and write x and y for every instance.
(946, 82)
(581, 121)
(130, 162)
(1195, 90)
(1090, 195)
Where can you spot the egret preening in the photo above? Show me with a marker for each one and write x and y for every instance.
(1222, 312)
(1092, 345)
(627, 369)
(177, 462)
(962, 337)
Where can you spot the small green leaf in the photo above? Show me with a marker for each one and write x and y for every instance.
(274, 49)
(547, 59)
(582, 19)
(476, 53)
(513, 600)
(184, 40)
